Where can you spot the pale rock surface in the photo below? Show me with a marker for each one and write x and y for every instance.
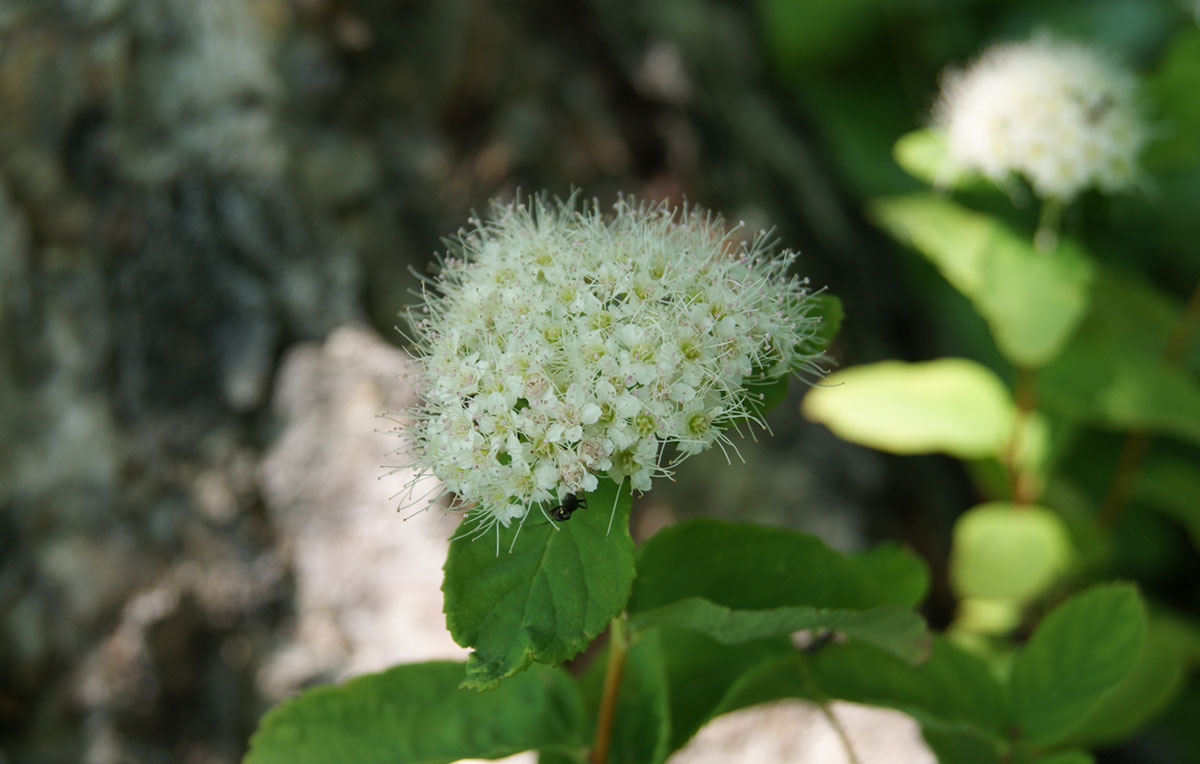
(367, 582)
(796, 732)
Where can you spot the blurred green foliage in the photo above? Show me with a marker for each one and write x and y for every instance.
(1089, 339)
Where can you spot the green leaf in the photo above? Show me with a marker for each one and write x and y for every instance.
(924, 154)
(1032, 300)
(642, 721)
(547, 598)
(702, 673)
(1003, 551)
(951, 405)
(895, 629)
(1153, 682)
(952, 690)
(742, 582)
(745, 567)
(415, 714)
(898, 576)
(1079, 652)
(1130, 317)
(1103, 386)
(953, 746)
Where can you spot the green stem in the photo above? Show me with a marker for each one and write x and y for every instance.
(841, 732)
(618, 646)
(1138, 441)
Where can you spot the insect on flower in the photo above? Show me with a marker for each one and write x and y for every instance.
(562, 512)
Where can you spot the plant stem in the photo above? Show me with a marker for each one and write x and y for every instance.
(841, 732)
(1138, 441)
(618, 645)
(1020, 483)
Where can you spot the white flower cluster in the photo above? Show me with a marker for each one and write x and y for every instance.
(1056, 112)
(559, 346)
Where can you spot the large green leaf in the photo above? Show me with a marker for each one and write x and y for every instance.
(1078, 653)
(737, 583)
(951, 405)
(1155, 679)
(1003, 551)
(1104, 386)
(746, 567)
(895, 629)
(547, 598)
(952, 690)
(1032, 300)
(416, 714)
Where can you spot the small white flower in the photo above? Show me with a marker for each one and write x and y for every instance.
(1056, 112)
(558, 346)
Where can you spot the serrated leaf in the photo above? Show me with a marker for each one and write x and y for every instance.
(952, 405)
(1102, 386)
(952, 689)
(1032, 300)
(741, 582)
(746, 567)
(1078, 653)
(1008, 552)
(894, 629)
(545, 600)
(415, 714)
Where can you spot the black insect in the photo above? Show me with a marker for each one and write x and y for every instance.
(563, 512)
